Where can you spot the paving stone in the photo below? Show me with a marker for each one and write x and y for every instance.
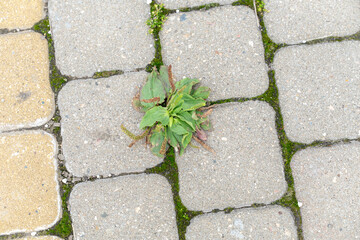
(92, 112)
(26, 98)
(176, 4)
(128, 207)
(256, 223)
(327, 185)
(93, 36)
(29, 191)
(293, 21)
(41, 238)
(222, 47)
(20, 13)
(319, 90)
(247, 167)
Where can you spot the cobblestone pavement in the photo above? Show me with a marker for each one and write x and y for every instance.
(285, 77)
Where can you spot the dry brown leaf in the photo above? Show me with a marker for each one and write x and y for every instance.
(204, 145)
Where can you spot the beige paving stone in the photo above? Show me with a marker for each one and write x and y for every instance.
(41, 238)
(20, 13)
(26, 98)
(29, 191)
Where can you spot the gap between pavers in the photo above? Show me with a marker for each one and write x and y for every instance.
(176, 4)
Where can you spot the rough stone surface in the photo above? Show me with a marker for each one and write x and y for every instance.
(257, 223)
(247, 167)
(294, 21)
(20, 13)
(93, 36)
(29, 194)
(319, 90)
(327, 185)
(41, 238)
(231, 62)
(92, 112)
(129, 207)
(26, 98)
(175, 4)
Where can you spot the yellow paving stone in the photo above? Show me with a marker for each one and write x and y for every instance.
(29, 190)
(41, 238)
(26, 98)
(20, 13)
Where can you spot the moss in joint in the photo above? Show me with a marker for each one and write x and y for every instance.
(63, 228)
(56, 79)
(197, 8)
(106, 74)
(169, 169)
(158, 15)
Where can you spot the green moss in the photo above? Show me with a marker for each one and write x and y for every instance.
(248, 3)
(355, 36)
(56, 79)
(56, 118)
(158, 15)
(229, 100)
(169, 169)
(56, 130)
(197, 8)
(63, 228)
(229, 209)
(106, 74)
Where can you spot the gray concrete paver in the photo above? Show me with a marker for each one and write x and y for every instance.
(93, 36)
(327, 185)
(92, 112)
(294, 21)
(268, 223)
(247, 167)
(222, 47)
(319, 90)
(128, 207)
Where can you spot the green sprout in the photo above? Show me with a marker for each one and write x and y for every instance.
(174, 113)
(157, 17)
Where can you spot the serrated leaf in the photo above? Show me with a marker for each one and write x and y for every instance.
(189, 83)
(155, 114)
(201, 92)
(153, 88)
